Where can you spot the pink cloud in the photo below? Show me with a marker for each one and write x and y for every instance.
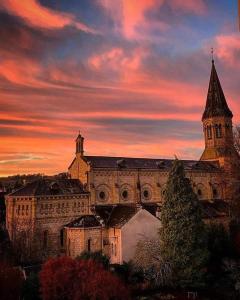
(131, 15)
(191, 6)
(228, 48)
(42, 17)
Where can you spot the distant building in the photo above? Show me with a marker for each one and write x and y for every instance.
(77, 214)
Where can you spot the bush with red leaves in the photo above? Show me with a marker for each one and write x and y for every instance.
(68, 279)
(11, 281)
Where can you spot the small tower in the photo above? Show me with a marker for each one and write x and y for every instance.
(79, 145)
(217, 124)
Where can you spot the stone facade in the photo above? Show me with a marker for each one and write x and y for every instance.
(116, 236)
(41, 210)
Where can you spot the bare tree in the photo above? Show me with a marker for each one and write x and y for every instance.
(236, 135)
(25, 241)
(148, 259)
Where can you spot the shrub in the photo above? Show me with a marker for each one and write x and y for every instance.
(97, 256)
(65, 278)
(11, 280)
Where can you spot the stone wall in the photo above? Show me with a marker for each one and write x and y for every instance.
(79, 240)
(42, 219)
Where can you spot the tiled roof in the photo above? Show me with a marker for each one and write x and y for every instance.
(147, 163)
(84, 222)
(216, 105)
(215, 209)
(116, 216)
(43, 187)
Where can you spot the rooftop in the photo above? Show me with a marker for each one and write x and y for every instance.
(148, 163)
(84, 222)
(46, 187)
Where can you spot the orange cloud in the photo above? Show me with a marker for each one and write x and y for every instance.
(42, 17)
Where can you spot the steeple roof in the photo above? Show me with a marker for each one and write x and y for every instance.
(216, 105)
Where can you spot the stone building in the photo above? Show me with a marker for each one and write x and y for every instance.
(115, 232)
(81, 208)
(38, 212)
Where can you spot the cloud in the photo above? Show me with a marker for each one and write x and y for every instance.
(197, 7)
(16, 159)
(132, 16)
(36, 15)
(228, 49)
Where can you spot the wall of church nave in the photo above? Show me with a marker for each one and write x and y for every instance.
(208, 186)
(132, 186)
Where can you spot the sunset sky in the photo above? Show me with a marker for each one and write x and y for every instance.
(131, 75)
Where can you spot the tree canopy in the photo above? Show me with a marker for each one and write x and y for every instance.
(66, 278)
(183, 233)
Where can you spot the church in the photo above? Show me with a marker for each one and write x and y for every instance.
(108, 201)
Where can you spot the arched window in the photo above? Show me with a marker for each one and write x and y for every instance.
(62, 237)
(209, 132)
(45, 239)
(218, 130)
(89, 245)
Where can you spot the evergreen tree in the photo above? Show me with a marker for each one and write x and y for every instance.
(183, 233)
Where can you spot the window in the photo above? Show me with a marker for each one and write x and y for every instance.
(102, 195)
(61, 237)
(218, 130)
(125, 194)
(145, 194)
(209, 132)
(89, 245)
(45, 239)
(199, 192)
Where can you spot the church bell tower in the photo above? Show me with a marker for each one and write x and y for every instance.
(217, 125)
(79, 145)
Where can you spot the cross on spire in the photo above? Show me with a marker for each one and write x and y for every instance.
(212, 52)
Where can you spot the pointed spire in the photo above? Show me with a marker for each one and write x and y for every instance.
(216, 105)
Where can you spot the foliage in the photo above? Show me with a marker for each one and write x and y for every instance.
(97, 256)
(219, 243)
(65, 278)
(148, 258)
(183, 233)
(6, 249)
(128, 273)
(31, 288)
(11, 279)
(235, 236)
(232, 267)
